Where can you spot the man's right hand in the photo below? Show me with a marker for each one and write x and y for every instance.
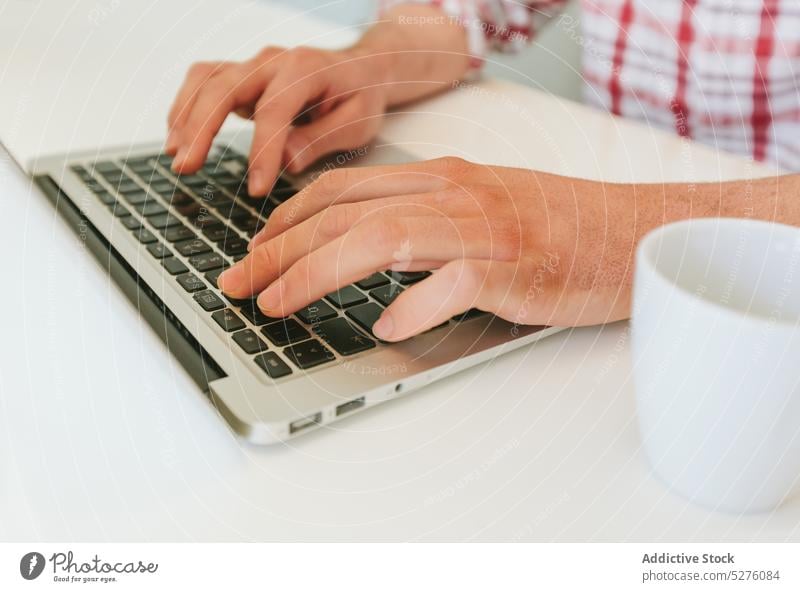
(341, 96)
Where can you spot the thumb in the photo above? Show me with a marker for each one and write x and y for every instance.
(349, 125)
(456, 287)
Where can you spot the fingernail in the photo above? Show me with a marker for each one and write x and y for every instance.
(231, 279)
(270, 299)
(384, 326)
(256, 183)
(179, 158)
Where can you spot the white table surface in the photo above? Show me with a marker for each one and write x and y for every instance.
(104, 437)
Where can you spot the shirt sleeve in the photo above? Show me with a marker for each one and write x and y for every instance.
(493, 25)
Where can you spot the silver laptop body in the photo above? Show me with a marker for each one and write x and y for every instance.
(261, 408)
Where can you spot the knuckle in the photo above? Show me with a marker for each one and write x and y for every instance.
(344, 217)
(263, 257)
(269, 52)
(200, 69)
(453, 166)
(303, 56)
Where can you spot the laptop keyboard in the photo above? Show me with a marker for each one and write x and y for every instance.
(197, 225)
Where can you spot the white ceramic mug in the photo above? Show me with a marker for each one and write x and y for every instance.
(716, 354)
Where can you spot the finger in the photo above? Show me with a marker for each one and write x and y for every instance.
(233, 87)
(349, 125)
(349, 185)
(488, 285)
(287, 94)
(340, 217)
(197, 75)
(257, 270)
(367, 248)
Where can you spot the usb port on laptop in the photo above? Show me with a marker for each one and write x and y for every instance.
(305, 422)
(350, 406)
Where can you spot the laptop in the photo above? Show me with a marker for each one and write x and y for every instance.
(165, 239)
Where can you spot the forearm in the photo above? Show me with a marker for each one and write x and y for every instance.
(621, 214)
(416, 50)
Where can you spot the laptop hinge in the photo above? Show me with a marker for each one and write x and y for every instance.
(180, 342)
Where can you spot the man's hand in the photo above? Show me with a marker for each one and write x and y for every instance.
(308, 102)
(530, 247)
(342, 96)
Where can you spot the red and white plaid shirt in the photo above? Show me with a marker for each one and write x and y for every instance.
(723, 72)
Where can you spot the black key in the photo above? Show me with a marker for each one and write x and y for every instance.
(106, 198)
(341, 336)
(190, 180)
(209, 301)
(190, 282)
(143, 169)
(253, 314)
(127, 187)
(95, 186)
(179, 198)
(164, 160)
(408, 277)
(213, 275)
(283, 185)
(159, 251)
(193, 246)
(174, 266)
(162, 186)
(365, 315)
(347, 296)
(228, 320)
(217, 232)
(119, 210)
(131, 223)
(137, 198)
(216, 200)
(164, 221)
(191, 210)
(144, 236)
(470, 314)
(204, 219)
(234, 212)
(284, 332)
(249, 341)
(150, 208)
(105, 166)
(81, 172)
(316, 312)
(178, 233)
(386, 294)
(233, 245)
(157, 177)
(272, 365)
(250, 225)
(207, 261)
(240, 302)
(283, 195)
(308, 354)
(221, 176)
(115, 177)
(264, 207)
(376, 280)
